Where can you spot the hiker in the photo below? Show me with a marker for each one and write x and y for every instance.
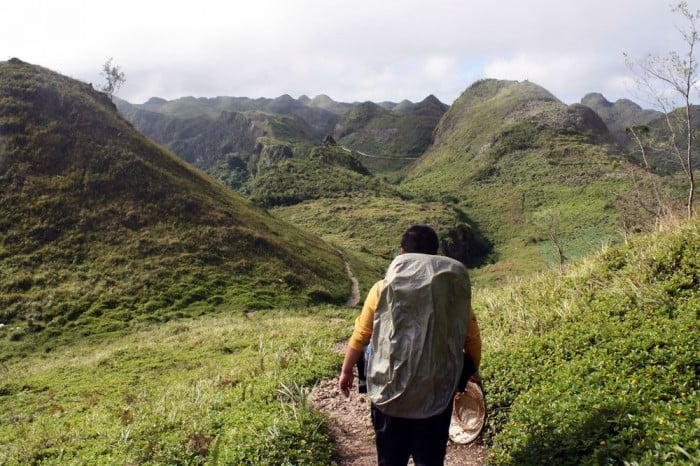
(424, 345)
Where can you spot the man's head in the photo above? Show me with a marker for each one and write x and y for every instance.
(420, 239)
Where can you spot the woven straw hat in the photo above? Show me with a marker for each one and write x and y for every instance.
(469, 414)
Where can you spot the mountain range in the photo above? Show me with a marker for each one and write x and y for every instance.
(98, 219)
(173, 305)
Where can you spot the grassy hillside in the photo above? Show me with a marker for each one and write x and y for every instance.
(368, 226)
(525, 166)
(373, 129)
(100, 227)
(332, 195)
(327, 172)
(599, 366)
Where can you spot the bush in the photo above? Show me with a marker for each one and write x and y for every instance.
(610, 375)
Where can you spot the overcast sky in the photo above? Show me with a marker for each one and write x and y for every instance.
(355, 50)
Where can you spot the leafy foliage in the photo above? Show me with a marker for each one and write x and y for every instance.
(114, 78)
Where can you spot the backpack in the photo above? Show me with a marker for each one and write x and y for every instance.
(416, 350)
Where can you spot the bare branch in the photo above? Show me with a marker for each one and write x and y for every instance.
(114, 78)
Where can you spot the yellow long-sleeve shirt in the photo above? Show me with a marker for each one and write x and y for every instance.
(364, 325)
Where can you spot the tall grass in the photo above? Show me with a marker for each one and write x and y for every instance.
(222, 390)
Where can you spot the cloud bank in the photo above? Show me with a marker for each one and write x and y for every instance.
(350, 51)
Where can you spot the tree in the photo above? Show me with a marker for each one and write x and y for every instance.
(654, 201)
(671, 81)
(114, 78)
(548, 222)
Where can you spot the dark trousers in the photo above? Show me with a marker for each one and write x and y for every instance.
(399, 438)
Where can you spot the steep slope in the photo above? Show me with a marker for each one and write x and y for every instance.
(528, 169)
(376, 130)
(100, 226)
(599, 365)
(228, 147)
(619, 115)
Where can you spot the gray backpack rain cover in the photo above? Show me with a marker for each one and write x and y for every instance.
(420, 325)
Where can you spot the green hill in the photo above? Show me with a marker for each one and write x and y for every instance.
(331, 194)
(100, 227)
(373, 129)
(368, 225)
(229, 146)
(619, 115)
(326, 173)
(526, 167)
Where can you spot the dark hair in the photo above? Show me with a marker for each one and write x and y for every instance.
(421, 239)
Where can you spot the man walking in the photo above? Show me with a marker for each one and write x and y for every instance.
(424, 345)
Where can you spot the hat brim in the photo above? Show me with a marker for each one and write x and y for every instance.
(468, 415)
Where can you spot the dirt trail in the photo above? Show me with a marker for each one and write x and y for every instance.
(350, 426)
(355, 289)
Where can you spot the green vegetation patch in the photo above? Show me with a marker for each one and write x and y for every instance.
(599, 366)
(369, 226)
(224, 390)
(327, 173)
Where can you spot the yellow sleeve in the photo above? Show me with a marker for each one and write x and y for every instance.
(472, 343)
(364, 324)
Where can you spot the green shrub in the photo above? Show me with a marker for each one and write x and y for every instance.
(604, 367)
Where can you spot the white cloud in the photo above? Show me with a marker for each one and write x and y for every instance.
(360, 50)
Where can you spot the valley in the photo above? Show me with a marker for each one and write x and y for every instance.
(176, 276)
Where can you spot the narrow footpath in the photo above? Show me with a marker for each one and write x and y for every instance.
(350, 426)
